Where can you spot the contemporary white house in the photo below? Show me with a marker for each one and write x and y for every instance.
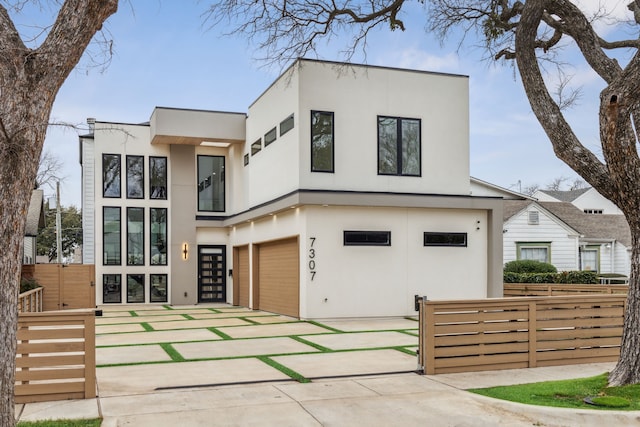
(343, 192)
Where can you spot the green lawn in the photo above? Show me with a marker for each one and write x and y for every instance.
(62, 423)
(570, 394)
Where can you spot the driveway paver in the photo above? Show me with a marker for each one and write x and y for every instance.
(240, 348)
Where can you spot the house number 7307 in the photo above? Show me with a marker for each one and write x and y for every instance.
(312, 258)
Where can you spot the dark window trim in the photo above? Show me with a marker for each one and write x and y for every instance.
(399, 145)
(166, 173)
(129, 209)
(104, 252)
(442, 237)
(289, 118)
(143, 289)
(246, 159)
(333, 142)
(256, 147)
(366, 238)
(224, 193)
(119, 156)
(127, 175)
(166, 233)
(166, 295)
(270, 137)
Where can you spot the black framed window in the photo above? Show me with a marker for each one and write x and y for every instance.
(367, 238)
(322, 141)
(158, 236)
(286, 125)
(135, 288)
(135, 236)
(399, 146)
(111, 229)
(158, 178)
(111, 175)
(111, 288)
(270, 136)
(135, 177)
(256, 147)
(445, 239)
(158, 288)
(246, 159)
(211, 191)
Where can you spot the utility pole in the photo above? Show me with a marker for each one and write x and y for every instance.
(58, 224)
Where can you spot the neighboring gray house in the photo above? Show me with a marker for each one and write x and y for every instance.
(564, 235)
(35, 221)
(588, 200)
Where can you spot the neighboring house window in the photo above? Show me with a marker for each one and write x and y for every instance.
(367, 238)
(445, 239)
(537, 251)
(158, 288)
(270, 137)
(111, 175)
(111, 288)
(158, 178)
(135, 177)
(534, 218)
(135, 288)
(211, 183)
(594, 211)
(286, 125)
(158, 236)
(111, 247)
(322, 141)
(256, 147)
(135, 236)
(590, 258)
(399, 146)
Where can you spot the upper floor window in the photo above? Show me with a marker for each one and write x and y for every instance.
(211, 183)
(135, 177)
(158, 177)
(399, 146)
(135, 236)
(111, 246)
(286, 125)
(269, 137)
(322, 141)
(256, 147)
(158, 235)
(111, 175)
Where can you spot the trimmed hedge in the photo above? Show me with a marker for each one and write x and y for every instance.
(529, 266)
(564, 277)
(27, 284)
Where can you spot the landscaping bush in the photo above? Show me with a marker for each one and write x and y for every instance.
(27, 284)
(565, 277)
(529, 266)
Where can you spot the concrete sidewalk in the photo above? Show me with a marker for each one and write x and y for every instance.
(225, 366)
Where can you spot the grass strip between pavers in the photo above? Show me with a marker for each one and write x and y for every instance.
(285, 370)
(87, 422)
(133, 313)
(147, 327)
(186, 316)
(410, 333)
(406, 350)
(172, 352)
(220, 333)
(329, 328)
(168, 307)
(310, 344)
(253, 322)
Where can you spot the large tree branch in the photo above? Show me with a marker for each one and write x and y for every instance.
(11, 46)
(565, 143)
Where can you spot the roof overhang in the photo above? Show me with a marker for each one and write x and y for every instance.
(197, 127)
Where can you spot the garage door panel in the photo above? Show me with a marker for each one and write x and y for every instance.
(279, 277)
(243, 276)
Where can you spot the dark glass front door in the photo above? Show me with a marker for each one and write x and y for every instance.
(212, 285)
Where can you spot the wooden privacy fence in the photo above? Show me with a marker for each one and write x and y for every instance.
(67, 286)
(56, 357)
(542, 289)
(30, 301)
(509, 333)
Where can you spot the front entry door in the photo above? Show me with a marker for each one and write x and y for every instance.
(212, 265)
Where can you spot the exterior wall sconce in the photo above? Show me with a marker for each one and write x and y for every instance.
(185, 251)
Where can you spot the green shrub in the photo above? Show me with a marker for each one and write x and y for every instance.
(28, 283)
(577, 277)
(529, 266)
(565, 277)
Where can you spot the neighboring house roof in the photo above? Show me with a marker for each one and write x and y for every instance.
(566, 196)
(35, 214)
(590, 226)
(505, 193)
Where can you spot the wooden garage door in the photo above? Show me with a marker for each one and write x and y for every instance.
(241, 276)
(278, 277)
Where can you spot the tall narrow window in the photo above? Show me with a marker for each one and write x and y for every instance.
(322, 141)
(158, 178)
(111, 245)
(399, 146)
(111, 175)
(135, 177)
(158, 288)
(211, 183)
(135, 236)
(111, 288)
(158, 236)
(135, 288)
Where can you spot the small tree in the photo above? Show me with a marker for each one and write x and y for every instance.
(71, 221)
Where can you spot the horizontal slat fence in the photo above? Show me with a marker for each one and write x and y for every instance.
(30, 301)
(544, 289)
(511, 333)
(56, 357)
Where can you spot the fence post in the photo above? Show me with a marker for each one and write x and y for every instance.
(533, 334)
(429, 358)
(90, 355)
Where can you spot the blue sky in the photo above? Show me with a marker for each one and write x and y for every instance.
(165, 55)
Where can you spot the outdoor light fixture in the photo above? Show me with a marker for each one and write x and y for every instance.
(185, 251)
